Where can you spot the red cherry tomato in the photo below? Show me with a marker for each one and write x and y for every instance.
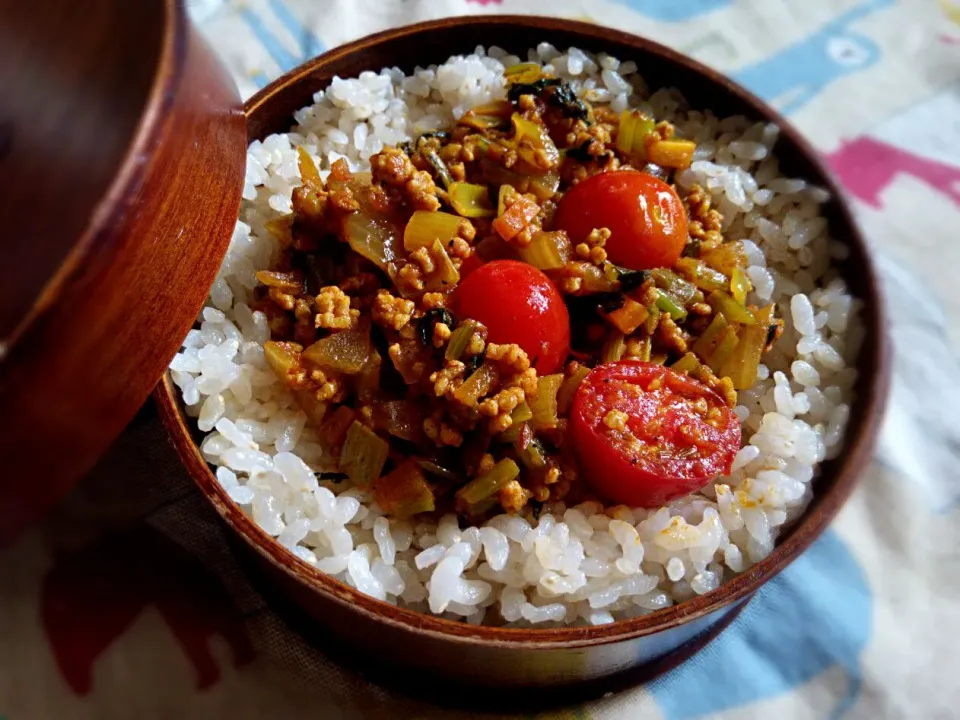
(518, 304)
(645, 435)
(646, 219)
(469, 265)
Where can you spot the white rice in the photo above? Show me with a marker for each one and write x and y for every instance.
(577, 564)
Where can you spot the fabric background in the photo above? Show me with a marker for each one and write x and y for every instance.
(126, 603)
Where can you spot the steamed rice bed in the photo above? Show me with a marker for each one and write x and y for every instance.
(574, 564)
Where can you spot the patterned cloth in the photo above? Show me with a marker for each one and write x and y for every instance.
(126, 602)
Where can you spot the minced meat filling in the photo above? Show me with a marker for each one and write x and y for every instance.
(358, 304)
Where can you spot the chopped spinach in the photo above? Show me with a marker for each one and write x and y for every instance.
(431, 318)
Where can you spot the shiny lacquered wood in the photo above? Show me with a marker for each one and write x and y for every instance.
(122, 157)
(442, 651)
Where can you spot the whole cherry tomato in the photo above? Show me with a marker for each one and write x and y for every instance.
(645, 216)
(518, 304)
(645, 435)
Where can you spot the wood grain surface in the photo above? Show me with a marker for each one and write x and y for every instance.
(124, 144)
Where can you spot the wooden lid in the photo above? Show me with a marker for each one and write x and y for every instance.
(122, 150)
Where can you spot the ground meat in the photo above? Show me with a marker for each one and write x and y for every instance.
(665, 130)
(441, 334)
(589, 139)
(343, 200)
(423, 258)
(591, 249)
(446, 381)
(328, 387)
(477, 342)
(284, 300)
(466, 231)
(722, 386)
(486, 464)
(333, 309)
(671, 336)
(393, 167)
(499, 407)
(406, 359)
(441, 433)
(305, 329)
(390, 311)
(616, 420)
(704, 222)
(513, 497)
(526, 381)
(400, 293)
(510, 357)
(432, 301)
(364, 283)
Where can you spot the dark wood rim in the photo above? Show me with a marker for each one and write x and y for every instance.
(866, 415)
(133, 168)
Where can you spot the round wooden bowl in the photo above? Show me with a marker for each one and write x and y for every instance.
(122, 148)
(416, 649)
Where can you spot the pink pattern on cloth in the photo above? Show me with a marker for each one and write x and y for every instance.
(866, 166)
(90, 598)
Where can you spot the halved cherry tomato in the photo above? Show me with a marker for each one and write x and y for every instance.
(645, 216)
(645, 435)
(518, 304)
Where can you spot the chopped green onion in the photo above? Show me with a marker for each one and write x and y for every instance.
(569, 388)
(632, 132)
(705, 344)
(677, 154)
(740, 285)
(523, 73)
(680, 289)
(346, 351)
(670, 306)
(404, 492)
(546, 251)
(440, 168)
(733, 311)
(534, 145)
(741, 367)
(476, 386)
(432, 468)
(544, 404)
(726, 257)
(612, 348)
(646, 346)
(363, 454)
(650, 324)
(488, 484)
(460, 340)
(705, 278)
(687, 364)
(629, 316)
(470, 201)
(521, 413)
(724, 349)
(518, 419)
(531, 453)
